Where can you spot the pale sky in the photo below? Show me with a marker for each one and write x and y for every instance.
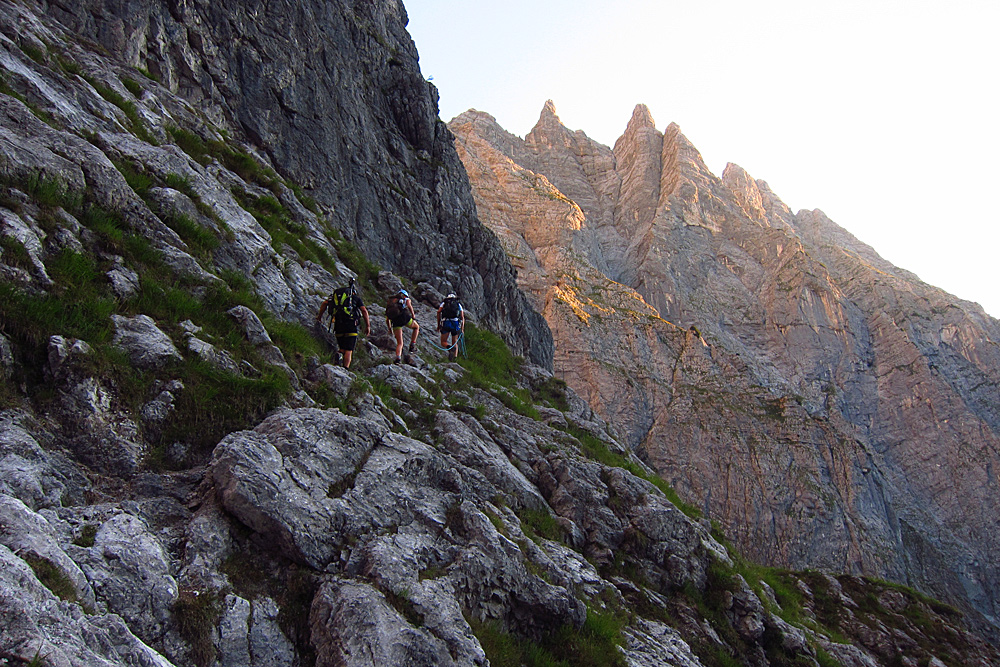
(881, 113)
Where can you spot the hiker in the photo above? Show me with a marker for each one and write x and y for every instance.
(398, 314)
(451, 320)
(346, 310)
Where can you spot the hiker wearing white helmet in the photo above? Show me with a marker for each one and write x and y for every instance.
(399, 314)
(451, 321)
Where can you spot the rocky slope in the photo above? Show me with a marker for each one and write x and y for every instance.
(187, 479)
(329, 93)
(828, 408)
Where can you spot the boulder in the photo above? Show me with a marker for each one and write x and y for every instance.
(146, 345)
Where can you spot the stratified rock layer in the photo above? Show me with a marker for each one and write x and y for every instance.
(828, 408)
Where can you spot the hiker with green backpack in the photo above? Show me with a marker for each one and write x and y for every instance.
(399, 314)
(346, 311)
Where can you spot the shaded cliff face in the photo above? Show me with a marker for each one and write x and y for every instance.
(827, 407)
(332, 94)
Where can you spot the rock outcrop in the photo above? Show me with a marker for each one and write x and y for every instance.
(828, 408)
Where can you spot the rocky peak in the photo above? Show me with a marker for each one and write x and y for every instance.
(549, 131)
(745, 190)
(638, 162)
(641, 117)
(486, 127)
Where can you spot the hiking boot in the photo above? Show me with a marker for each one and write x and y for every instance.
(398, 360)
(413, 347)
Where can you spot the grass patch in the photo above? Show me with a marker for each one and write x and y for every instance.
(285, 232)
(401, 602)
(126, 106)
(75, 309)
(136, 177)
(357, 262)
(237, 161)
(87, 536)
(594, 645)
(552, 392)
(52, 577)
(196, 614)
(539, 523)
(488, 360)
(598, 450)
(51, 192)
(15, 254)
(201, 240)
(132, 86)
(214, 403)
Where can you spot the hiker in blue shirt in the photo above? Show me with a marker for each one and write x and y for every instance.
(451, 321)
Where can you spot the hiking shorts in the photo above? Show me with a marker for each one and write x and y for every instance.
(401, 321)
(347, 342)
(451, 326)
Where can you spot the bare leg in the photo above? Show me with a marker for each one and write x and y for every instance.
(398, 333)
(347, 354)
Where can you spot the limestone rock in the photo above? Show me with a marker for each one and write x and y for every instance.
(142, 340)
(127, 558)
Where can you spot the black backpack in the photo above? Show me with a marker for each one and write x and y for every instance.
(344, 306)
(451, 309)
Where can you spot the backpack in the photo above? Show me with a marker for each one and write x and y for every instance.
(395, 306)
(451, 309)
(344, 307)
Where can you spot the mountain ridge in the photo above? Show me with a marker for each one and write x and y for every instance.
(801, 305)
(188, 478)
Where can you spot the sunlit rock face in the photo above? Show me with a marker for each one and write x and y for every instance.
(828, 408)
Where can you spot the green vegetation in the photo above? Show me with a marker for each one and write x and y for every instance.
(127, 107)
(37, 111)
(356, 261)
(132, 86)
(52, 577)
(253, 574)
(14, 253)
(237, 161)
(197, 613)
(594, 645)
(80, 304)
(540, 524)
(87, 535)
(598, 450)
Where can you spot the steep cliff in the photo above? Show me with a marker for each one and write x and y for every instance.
(828, 408)
(331, 94)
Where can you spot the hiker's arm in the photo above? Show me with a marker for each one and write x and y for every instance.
(368, 324)
(439, 316)
(322, 309)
